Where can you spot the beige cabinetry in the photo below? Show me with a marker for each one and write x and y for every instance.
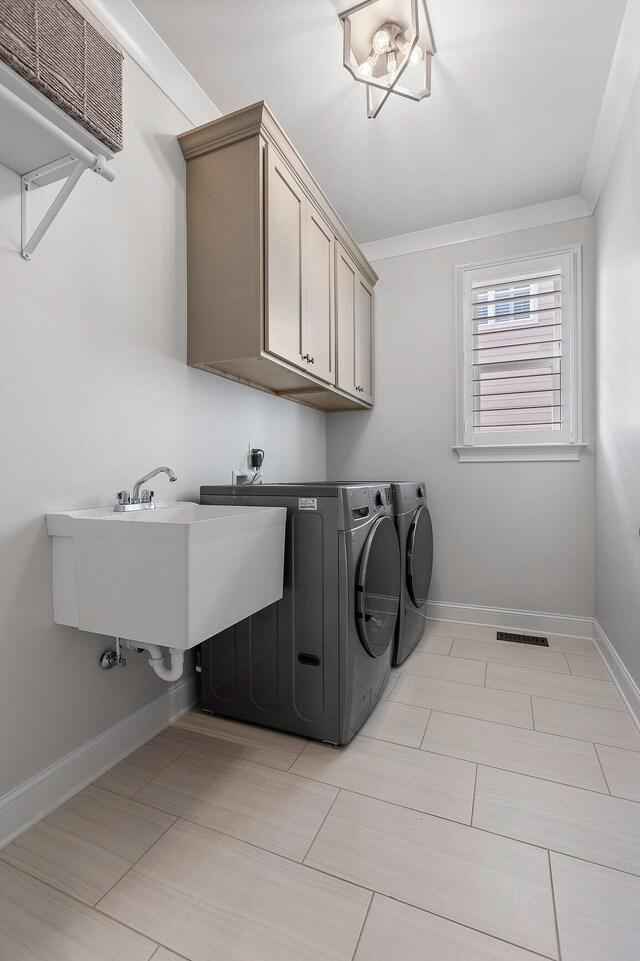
(354, 324)
(285, 228)
(318, 310)
(265, 254)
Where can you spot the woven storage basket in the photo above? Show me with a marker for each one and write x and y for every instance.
(53, 47)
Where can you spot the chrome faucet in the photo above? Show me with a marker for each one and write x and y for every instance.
(141, 500)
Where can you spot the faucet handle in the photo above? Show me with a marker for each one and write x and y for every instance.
(146, 496)
(123, 497)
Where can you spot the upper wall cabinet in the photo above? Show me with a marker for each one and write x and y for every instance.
(354, 311)
(269, 303)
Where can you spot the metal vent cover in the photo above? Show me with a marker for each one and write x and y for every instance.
(523, 638)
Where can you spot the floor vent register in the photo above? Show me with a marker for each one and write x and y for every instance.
(523, 639)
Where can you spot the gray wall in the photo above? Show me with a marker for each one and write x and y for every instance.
(516, 536)
(94, 391)
(617, 222)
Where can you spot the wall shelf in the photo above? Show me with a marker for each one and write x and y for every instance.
(42, 144)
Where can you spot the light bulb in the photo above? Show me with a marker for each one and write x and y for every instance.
(392, 65)
(416, 56)
(365, 69)
(380, 41)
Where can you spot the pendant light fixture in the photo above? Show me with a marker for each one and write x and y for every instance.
(388, 45)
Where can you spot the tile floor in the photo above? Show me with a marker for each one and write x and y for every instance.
(488, 811)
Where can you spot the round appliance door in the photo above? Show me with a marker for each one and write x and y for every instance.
(378, 588)
(419, 556)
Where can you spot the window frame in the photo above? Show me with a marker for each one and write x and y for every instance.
(507, 445)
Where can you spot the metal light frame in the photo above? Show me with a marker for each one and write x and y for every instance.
(408, 15)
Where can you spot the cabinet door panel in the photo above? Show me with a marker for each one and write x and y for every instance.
(285, 225)
(364, 340)
(346, 281)
(318, 344)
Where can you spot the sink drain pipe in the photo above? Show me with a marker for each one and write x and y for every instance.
(156, 659)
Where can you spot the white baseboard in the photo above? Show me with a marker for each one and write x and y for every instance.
(516, 620)
(37, 797)
(628, 688)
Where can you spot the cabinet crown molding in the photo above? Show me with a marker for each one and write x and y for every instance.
(258, 120)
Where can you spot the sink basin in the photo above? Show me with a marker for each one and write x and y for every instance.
(172, 576)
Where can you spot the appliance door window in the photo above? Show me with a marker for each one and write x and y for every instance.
(378, 588)
(419, 556)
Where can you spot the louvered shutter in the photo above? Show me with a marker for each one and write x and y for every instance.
(517, 354)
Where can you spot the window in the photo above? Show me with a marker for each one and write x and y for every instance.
(519, 358)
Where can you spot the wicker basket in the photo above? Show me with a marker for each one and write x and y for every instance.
(57, 50)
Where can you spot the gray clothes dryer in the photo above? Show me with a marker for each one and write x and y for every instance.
(415, 534)
(315, 663)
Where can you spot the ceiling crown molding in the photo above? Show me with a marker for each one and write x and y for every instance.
(508, 221)
(141, 42)
(623, 77)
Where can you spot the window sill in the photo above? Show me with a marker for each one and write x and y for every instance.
(519, 452)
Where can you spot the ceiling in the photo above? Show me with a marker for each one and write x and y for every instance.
(517, 87)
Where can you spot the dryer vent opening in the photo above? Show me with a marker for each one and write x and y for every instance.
(522, 638)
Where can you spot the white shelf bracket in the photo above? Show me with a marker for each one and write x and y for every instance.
(30, 242)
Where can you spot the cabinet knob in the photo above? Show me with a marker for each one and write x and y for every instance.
(309, 359)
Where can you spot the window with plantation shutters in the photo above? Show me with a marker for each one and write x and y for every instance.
(519, 350)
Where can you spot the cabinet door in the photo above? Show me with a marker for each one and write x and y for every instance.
(285, 217)
(346, 281)
(354, 329)
(364, 340)
(318, 321)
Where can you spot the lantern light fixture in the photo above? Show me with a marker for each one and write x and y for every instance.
(388, 45)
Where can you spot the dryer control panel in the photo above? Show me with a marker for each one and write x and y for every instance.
(408, 495)
(361, 503)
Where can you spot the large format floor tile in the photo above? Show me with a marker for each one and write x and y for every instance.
(212, 898)
(466, 699)
(566, 687)
(248, 741)
(86, 845)
(254, 803)
(598, 916)
(458, 629)
(516, 749)
(396, 930)
(460, 669)
(434, 644)
(163, 955)
(622, 771)
(572, 645)
(583, 666)
(494, 884)
(581, 823)
(38, 923)
(398, 723)
(517, 655)
(589, 723)
(392, 772)
(135, 771)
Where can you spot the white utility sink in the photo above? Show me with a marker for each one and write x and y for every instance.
(172, 576)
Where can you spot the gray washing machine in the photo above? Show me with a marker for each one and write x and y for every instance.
(415, 534)
(415, 537)
(316, 662)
